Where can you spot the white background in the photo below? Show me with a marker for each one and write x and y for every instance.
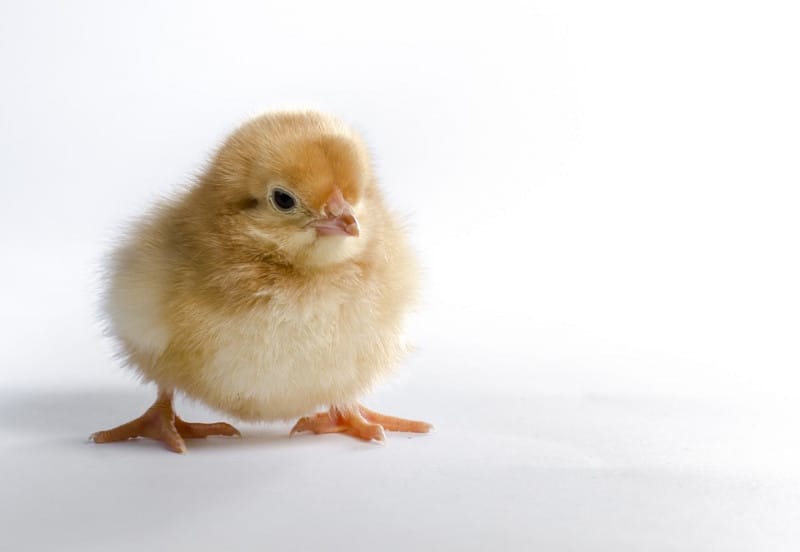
(605, 197)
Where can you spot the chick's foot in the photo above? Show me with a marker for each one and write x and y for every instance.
(391, 423)
(161, 423)
(359, 422)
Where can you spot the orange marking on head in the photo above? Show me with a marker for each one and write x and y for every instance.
(317, 168)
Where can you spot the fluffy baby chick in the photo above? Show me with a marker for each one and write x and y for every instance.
(275, 285)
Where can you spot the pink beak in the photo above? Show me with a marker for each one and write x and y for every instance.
(339, 219)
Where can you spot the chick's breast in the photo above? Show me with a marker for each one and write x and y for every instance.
(322, 343)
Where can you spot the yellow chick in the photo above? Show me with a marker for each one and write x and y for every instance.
(277, 284)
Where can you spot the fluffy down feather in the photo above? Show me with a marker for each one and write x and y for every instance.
(220, 294)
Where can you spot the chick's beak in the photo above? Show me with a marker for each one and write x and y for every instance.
(339, 219)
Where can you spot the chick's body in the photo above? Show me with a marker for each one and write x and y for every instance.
(277, 284)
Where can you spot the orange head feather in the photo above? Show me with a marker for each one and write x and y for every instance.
(293, 185)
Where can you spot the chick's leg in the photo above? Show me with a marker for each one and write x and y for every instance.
(359, 422)
(159, 422)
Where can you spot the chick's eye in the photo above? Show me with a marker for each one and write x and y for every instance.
(282, 200)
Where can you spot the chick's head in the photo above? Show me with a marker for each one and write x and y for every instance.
(296, 186)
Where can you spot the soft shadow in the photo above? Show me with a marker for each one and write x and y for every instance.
(69, 410)
(254, 437)
(81, 412)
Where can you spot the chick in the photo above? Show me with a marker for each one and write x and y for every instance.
(275, 285)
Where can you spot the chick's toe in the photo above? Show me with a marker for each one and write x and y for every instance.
(358, 422)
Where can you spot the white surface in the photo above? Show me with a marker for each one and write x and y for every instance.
(605, 197)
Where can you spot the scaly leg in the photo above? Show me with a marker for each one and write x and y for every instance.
(161, 423)
(359, 422)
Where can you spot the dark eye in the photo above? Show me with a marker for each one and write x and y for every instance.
(283, 200)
